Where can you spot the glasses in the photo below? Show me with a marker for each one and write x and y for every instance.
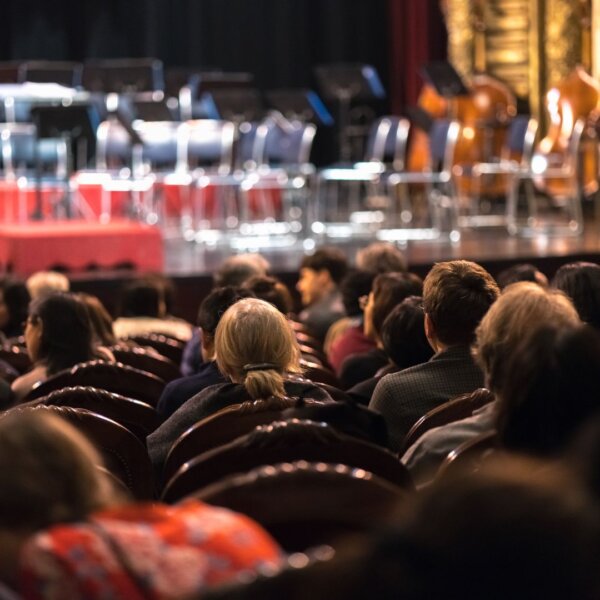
(363, 301)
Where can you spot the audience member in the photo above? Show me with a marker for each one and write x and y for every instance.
(14, 302)
(58, 335)
(404, 343)
(381, 257)
(236, 270)
(143, 310)
(320, 276)
(581, 282)
(389, 290)
(346, 336)
(47, 282)
(100, 320)
(521, 272)
(256, 349)
(456, 296)
(522, 308)
(179, 391)
(271, 290)
(67, 534)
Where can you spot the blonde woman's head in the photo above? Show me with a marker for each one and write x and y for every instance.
(255, 345)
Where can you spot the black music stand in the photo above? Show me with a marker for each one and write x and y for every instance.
(345, 83)
(75, 123)
(445, 79)
(300, 105)
(123, 76)
(239, 105)
(420, 117)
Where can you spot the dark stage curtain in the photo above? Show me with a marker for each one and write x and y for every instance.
(417, 35)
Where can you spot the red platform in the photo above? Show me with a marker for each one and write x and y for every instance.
(79, 245)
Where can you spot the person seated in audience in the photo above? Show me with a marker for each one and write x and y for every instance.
(271, 290)
(581, 282)
(522, 307)
(256, 349)
(320, 276)
(211, 310)
(404, 342)
(456, 296)
(234, 271)
(381, 257)
(144, 311)
(66, 533)
(346, 336)
(521, 272)
(47, 282)
(14, 302)
(389, 290)
(58, 335)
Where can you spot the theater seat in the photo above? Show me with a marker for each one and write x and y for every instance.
(169, 347)
(140, 358)
(285, 441)
(113, 377)
(469, 455)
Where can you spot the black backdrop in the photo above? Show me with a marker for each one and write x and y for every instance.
(279, 41)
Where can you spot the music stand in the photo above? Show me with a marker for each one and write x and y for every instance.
(445, 79)
(420, 117)
(300, 105)
(345, 83)
(123, 76)
(75, 123)
(233, 105)
(152, 110)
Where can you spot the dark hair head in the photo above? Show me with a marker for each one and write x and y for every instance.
(389, 290)
(521, 272)
(66, 337)
(456, 296)
(16, 298)
(403, 334)
(329, 259)
(270, 289)
(213, 307)
(581, 282)
(100, 320)
(357, 283)
(381, 257)
(235, 270)
(553, 388)
(142, 298)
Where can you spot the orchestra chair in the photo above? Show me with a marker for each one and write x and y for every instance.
(140, 358)
(170, 347)
(123, 454)
(137, 416)
(361, 186)
(469, 455)
(34, 175)
(223, 427)
(285, 441)
(303, 504)
(112, 377)
(456, 409)
(439, 185)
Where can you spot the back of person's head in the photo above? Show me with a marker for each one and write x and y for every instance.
(329, 259)
(403, 334)
(213, 307)
(46, 282)
(389, 290)
(15, 297)
(255, 345)
(456, 296)
(356, 283)
(235, 270)
(66, 332)
(270, 289)
(100, 320)
(522, 308)
(167, 289)
(381, 257)
(142, 298)
(581, 282)
(514, 530)
(48, 472)
(521, 272)
(552, 391)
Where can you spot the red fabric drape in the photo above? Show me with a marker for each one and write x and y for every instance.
(417, 36)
